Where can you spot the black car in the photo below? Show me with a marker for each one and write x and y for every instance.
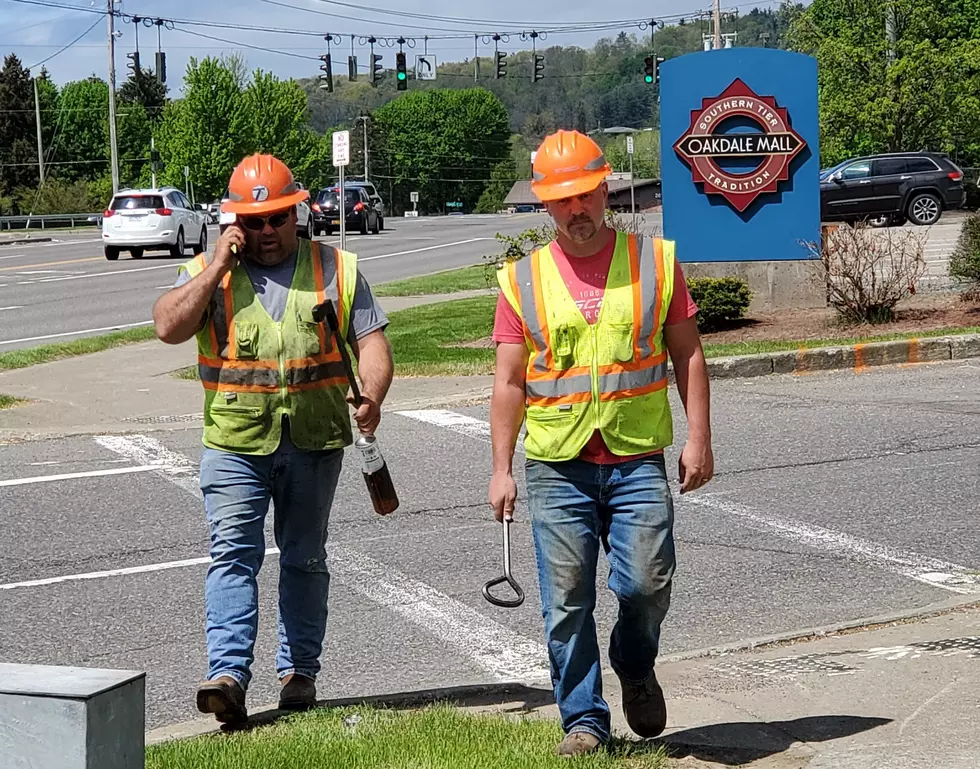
(892, 188)
(362, 215)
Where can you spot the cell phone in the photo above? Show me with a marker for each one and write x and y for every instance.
(224, 221)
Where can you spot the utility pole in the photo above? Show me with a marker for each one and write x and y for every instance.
(40, 143)
(717, 25)
(367, 177)
(891, 31)
(113, 150)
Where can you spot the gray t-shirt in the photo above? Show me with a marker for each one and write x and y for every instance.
(272, 284)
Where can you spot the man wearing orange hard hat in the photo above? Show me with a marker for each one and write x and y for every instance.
(584, 329)
(276, 421)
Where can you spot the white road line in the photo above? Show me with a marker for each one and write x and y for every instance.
(72, 476)
(12, 307)
(76, 333)
(505, 654)
(148, 451)
(420, 250)
(921, 568)
(12, 256)
(907, 563)
(110, 272)
(112, 573)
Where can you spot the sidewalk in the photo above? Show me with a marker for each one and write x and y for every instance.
(130, 388)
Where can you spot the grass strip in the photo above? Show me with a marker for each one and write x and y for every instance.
(438, 737)
(448, 282)
(31, 356)
(9, 401)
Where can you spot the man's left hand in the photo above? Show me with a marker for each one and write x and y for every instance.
(368, 416)
(696, 466)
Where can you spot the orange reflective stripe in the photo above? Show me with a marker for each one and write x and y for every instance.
(339, 272)
(321, 293)
(638, 308)
(561, 400)
(229, 315)
(224, 387)
(653, 387)
(544, 376)
(659, 313)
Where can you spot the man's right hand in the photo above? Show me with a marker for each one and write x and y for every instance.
(503, 495)
(223, 256)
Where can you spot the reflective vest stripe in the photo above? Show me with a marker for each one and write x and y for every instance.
(611, 378)
(338, 270)
(222, 312)
(632, 380)
(635, 392)
(528, 298)
(650, 286)
(321, 294)
(331, 372)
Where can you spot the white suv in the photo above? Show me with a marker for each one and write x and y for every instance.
(154, 220)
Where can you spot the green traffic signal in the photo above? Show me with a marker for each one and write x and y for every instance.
(648, 78)
(402, 75)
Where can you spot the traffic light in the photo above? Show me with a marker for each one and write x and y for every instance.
(161, 66)
(155, 159)
(649, 73)
(326, 79)
(657, 62)
(377, 69)
(135, 65)
(401, 74)
(538, 67)
(501, 64)
(352, 68)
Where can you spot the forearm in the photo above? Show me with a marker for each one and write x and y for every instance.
(177, 314)
(506, 417)
(691, 375)
(375, 367)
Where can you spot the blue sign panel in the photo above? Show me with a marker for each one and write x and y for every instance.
(739, 148)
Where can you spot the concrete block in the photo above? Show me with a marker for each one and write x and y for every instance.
(740, 366)
(784, 362)
(883, 353)
(774, 285)
(965, 346)
(825, 359)
(933, 350)
(71, 718)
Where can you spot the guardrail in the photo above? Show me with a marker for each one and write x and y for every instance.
(50, 220)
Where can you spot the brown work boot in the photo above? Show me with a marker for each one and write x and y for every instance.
(644, 707)
(578, 744)
(298, 693)
(224, 697)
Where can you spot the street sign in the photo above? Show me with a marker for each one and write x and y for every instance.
(425, 67)
(341, 148)
(414, 197)
(629, 144)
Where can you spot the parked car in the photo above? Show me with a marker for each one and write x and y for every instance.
(304, 215)
(892, 188)
(361, 214)
(152, 220)
(379, 204)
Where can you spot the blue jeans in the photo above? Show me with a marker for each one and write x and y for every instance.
(627, 508)
(237, 491)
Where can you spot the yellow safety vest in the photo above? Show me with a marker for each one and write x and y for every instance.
(609, 376)
(255, 370)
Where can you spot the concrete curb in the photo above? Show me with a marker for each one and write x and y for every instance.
(502, 692)
(857, 357)
(22, 241)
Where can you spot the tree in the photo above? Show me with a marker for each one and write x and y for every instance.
(444, 143)
(502, 181)
(878, 95)
(18, 146)
(81, 143)
(144, 89)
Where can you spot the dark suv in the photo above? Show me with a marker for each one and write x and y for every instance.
(361, 213)
(893, 188)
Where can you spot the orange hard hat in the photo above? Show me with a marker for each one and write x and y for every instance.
(261, 184)
(568, 163)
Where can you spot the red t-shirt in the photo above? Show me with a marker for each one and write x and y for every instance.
(586, 279)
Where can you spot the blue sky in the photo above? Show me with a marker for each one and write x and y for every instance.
(36, 32)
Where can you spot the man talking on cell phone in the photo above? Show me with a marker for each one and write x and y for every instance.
(276, 421)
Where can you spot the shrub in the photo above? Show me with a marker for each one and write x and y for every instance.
(964, 264)
(719, 300)
(869, 271)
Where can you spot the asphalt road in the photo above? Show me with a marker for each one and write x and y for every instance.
(67, 289)
(838, 497)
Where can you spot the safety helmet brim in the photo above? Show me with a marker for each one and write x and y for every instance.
(265, 206)
(568, 189)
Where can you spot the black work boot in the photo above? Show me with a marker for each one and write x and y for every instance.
(224, 697)
(297, 693)
(644, 707)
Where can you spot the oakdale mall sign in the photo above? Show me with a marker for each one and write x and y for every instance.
(738, 147)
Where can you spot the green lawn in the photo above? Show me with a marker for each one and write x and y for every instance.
(9, 401)
(49, 352)
(364, 738)
(448, 282)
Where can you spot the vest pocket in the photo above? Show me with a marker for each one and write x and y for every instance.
(553, 414)
(246, 341)
(617, 342)
(563, 347)
(309, 332)
(238, 425)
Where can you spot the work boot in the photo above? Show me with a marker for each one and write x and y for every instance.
(297, 693)
(224, 697)
(578, 744)
(644, 707)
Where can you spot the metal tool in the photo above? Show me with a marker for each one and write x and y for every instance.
(507, 603)
(326, 312)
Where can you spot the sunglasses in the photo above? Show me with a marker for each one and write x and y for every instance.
(277, 220)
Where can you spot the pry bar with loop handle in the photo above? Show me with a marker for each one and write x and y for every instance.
(326, 312)
(506, 603)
